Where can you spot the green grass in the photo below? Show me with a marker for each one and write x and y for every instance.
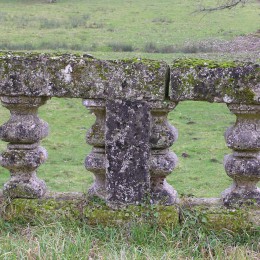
(132, 241)
(91, 26)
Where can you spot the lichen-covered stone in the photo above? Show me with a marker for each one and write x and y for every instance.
(203, 80)
(23, 160)
(131, 137)
(163, 134)
(245, 134)
(96, 160)
(25, 186)
(23, 156)
(162, 161)
(76, 208)
(51, 75)
(243, 166)
(24, 126)
(127, 151)
(96, 134)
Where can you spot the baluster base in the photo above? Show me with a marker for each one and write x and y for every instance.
(21, 187)
(162, 192)
(239, 194)
(95, 162)
(98, 188)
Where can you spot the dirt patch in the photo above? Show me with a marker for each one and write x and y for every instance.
(249, 43)
(241, 48)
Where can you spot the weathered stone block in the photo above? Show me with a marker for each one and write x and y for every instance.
(26, 74)
(127, 151)
(204, 80)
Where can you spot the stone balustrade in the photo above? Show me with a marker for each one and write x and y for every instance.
(131, 137)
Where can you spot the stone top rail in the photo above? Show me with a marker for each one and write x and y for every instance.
(80, 77)
(74, 76)
(226, 82)
(131, 137)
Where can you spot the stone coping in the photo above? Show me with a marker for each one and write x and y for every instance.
(75, 76)
(205, 80)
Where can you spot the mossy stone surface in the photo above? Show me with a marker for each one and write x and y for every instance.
(224, 82)
(91, 212)
(74, 76)
(94, 212)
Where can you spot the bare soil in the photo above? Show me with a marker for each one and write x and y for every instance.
(248, 43)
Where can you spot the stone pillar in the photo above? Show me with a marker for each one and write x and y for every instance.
(243, 166)
(95, 161)
(128, 152)
(23, 156)
(163, 161)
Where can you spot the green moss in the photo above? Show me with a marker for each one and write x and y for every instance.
(219, 218)
(246, 95)
(36, 55)
(95, 212)
(153, 64)
(36, 210)
(192, 63)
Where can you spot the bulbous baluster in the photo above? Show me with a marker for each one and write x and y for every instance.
(23, 156)
(95, 161)
(163, 161)
(243, 166)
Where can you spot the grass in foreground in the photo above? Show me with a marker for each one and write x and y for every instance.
(130, 241)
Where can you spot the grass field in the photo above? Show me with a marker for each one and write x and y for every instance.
(119, 26)
(134, 241)
(113, 29)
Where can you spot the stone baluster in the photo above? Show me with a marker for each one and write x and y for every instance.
(23, 156)
(95, 161)
(243, 166)
(163, 161)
